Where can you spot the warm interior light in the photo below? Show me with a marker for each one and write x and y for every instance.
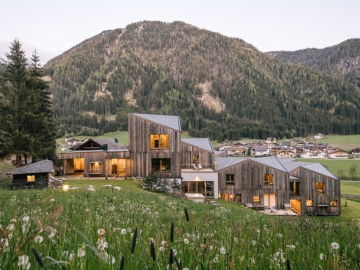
(65, 187)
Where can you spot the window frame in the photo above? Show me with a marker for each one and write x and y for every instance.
(309, 203)
(161, 165)
(158, 140)
(256, 199)
(97, 171)
(230, 179)
(333, 203)
(269, 179)
(30, 178)
(319, 187)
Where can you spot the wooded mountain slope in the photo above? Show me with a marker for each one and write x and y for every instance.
(223, 88)
(342, 60)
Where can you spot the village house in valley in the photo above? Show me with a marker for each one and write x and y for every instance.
(155, 144)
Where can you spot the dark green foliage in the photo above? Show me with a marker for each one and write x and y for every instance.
(26, 115)
(160, 68)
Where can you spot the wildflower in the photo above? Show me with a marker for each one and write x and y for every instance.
(24, 262)
(81, 252)
(358, 246)
(162, 249)
(164, 243)
(321, 256)
(185, 268)
(253, 242)
(222, 250)
(26, 219)
(72, 256)
(101, 232)
(211, 247)
(107, 258)
(10, 227)
(186, 241)
(123, 231)
(334, 245)
(292, 247)
(258, 231)
(216, 259)
(101, 244)
(279, 235)
(52, 233)
(38, 239)
(52, 200)
(13, 220)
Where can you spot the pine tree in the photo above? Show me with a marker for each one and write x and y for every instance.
(26, 118)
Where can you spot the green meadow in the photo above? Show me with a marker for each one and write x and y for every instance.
(136, 229)
(346, 142)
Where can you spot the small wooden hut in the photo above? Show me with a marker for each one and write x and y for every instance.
(34, 175)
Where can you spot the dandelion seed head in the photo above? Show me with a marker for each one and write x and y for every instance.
(334, 245)
(222, 250)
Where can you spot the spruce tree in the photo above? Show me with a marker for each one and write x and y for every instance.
(26, 118)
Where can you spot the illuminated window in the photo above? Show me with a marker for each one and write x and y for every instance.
(294, 188)
(256, 199)
(334, 203)
(96, 168)
(160, 164)
(159, 141)
(31, 178)
(269, 179)
(319, 187)
(230, 179)
(196, 158)
(309, 203)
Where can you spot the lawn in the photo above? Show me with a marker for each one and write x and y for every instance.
(350, 187)
(98, 229)
(346, 142)
(339, 168)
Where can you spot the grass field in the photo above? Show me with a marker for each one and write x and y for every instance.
(346, 142)
(83, 229)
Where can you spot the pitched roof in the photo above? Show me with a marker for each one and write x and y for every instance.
(317, 167)
(43, 166)
(271, 162)
(112, 145)
(170, 121)
(291, 164)
(224, 162)
(203, 143)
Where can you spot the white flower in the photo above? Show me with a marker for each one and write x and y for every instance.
(52, 233)
(26, 219)
(24, 262)
(358, 246)
(164, 243)
(174, 251)
(101, 244)
(321, 256)
(52, 200)
(253, 242)
(222, 250)
(4, 242)
(38, 239)
(81, 252)
(162, 249)
(292, 247)
(279, 235)
(335, 245)
(186, 241)
(258, 231)
(216, 259)
(123, 231)
(211, 247)
(10, 227)
(13, 220)
(107, 258)
(185, 268)
(101, 232)
(72, 256)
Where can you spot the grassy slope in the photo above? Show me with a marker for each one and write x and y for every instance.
(346, 142)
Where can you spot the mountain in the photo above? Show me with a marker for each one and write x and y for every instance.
(221, 87)
(342, 60)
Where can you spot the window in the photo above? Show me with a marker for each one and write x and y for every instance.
(269, 179)
(309, 203)
(8, 157)
(196, 158)
(230, 179)
(319, 187)
(95, 168)
(160, 164)
(31, 178)
(333, 203)
(294, 188)
(159, 141)
(256, 199)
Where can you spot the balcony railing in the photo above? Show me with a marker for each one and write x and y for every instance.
(199, 167)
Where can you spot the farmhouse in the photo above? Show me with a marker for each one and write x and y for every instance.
(155, 144)
(34, 175)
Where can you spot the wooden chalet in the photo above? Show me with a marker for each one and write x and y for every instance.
(34, 175)
(96, 158)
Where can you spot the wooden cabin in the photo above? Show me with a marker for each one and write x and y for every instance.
(100, 157)
(34, 175)
(155, 145)
(313, 189)
(258, 181)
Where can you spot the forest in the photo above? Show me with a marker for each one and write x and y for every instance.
(178, 69)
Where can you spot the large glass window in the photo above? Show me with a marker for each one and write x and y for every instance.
(96, 168)
(159, 141)
(30, 178)
(309, 203)
(294, 188)
(269, 179)
(160, 164)
(230, 179)
(256, 199)
(319, 187)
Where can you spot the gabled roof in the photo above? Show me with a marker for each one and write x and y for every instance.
(170, 121)
(317, 167)
(224, 162)
(98, 144)
(271, 162)
(291, 164)
(43, 166)
(203, 143)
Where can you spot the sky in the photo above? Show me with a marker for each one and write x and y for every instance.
(52, 27)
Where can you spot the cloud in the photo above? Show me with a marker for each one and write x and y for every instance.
(44, 55)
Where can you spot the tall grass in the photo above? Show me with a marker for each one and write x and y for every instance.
(105, 229)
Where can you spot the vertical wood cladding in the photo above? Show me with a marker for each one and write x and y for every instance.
(20, 181)
(140, 152)
(188, 151)
(249, 180)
